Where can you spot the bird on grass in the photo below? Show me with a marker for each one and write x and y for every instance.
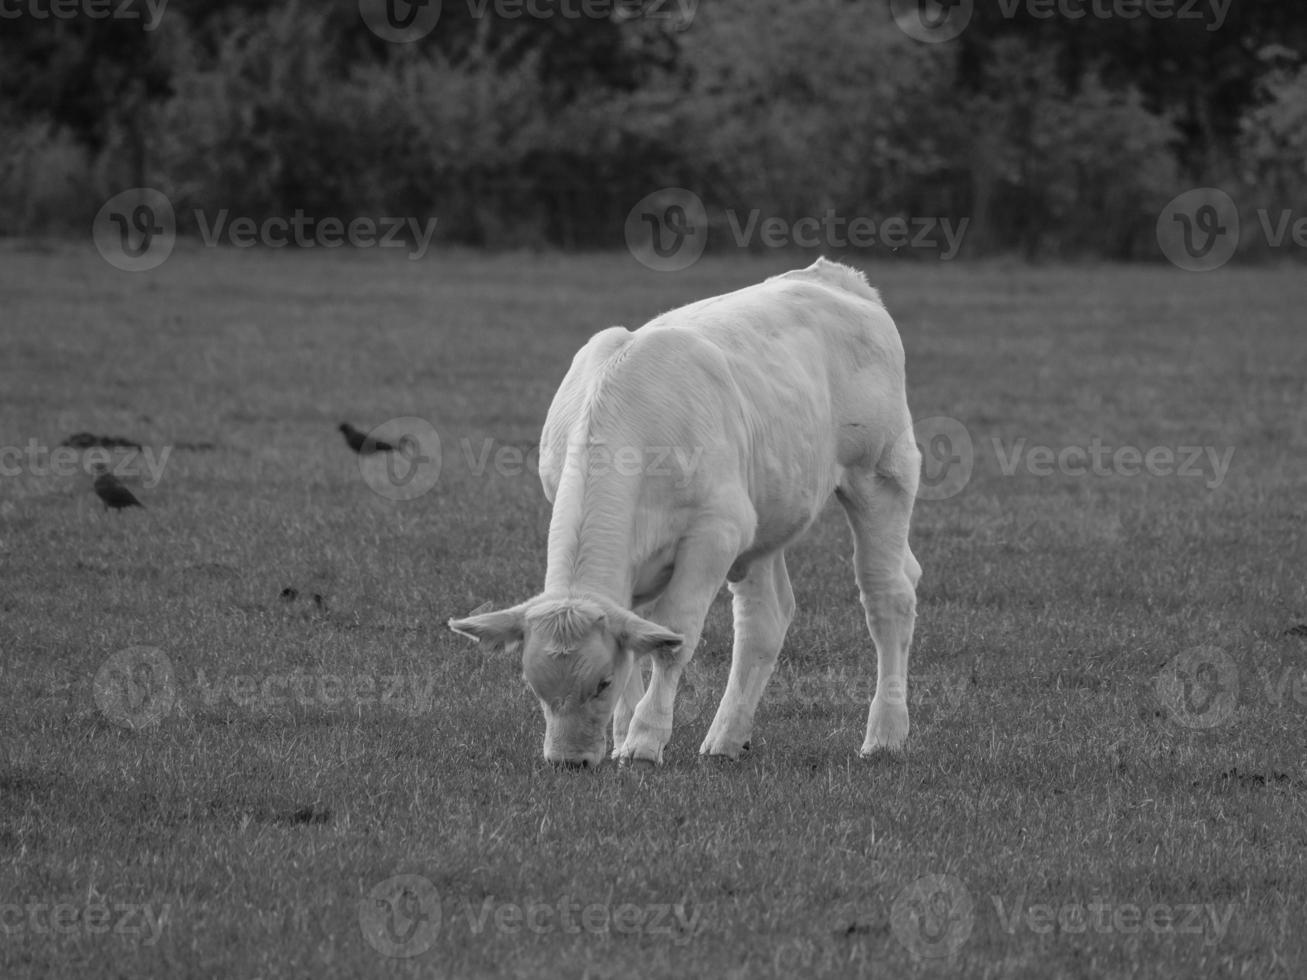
(361, 444)
(112, 492)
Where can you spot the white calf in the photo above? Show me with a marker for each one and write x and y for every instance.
(691, 452)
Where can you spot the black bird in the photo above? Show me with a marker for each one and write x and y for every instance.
(112, 492)
(360, 443)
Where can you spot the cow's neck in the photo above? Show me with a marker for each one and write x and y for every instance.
(590, 534)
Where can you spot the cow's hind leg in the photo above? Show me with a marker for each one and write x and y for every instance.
(879, 511)
(763, 603)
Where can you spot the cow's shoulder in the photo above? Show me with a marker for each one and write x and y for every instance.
(569, 404)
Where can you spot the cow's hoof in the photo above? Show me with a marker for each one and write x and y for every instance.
(637, 765)
(723, 747)
(643, 749)
(887, 753)
(887, 728)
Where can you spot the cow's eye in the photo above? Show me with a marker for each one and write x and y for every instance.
(604, 685)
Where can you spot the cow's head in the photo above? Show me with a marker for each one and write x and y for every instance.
(577, 655)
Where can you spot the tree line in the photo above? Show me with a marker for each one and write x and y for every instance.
(1053, 127)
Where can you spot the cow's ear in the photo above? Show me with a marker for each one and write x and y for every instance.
(643, 637)
(500, 630)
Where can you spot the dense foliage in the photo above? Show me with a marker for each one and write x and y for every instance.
(1055, 134)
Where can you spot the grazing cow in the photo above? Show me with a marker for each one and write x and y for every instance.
(691, 452)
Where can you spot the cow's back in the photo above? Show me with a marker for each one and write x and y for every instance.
(771, 391)
(813, 353)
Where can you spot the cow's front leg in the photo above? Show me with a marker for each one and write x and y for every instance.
(764, 607)
(702, 562)
(626, 703)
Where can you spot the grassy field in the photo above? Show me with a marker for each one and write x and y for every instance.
(200, 777)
